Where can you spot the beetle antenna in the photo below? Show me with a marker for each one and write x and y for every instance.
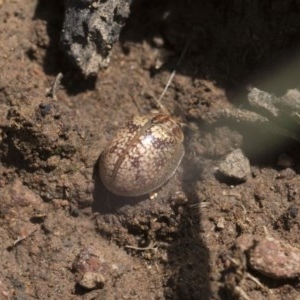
(161, 106)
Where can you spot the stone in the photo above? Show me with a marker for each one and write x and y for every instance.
(235, 166)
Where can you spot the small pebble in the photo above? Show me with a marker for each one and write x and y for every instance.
(235, 166)
(92, 280)
(220, 225)
(158, 41)
(91, 268)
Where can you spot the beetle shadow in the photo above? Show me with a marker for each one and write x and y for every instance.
(188, 256)
(104, 201)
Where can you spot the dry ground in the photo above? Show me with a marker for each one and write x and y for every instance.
(58, 223)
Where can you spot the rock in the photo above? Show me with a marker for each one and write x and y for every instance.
(92, 280)
(289, 104)
(89, 31)
(235, 166)
(92, 269)
(271, 257)
(268, 113)
(275, 258)
(220, 224)
(263, 101)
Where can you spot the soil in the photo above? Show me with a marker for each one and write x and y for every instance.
(64, 236)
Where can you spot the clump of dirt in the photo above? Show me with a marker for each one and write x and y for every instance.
(64, 236)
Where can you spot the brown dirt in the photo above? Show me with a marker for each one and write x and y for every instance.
(57, 220)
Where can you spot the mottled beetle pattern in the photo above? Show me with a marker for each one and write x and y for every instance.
(143, 155)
